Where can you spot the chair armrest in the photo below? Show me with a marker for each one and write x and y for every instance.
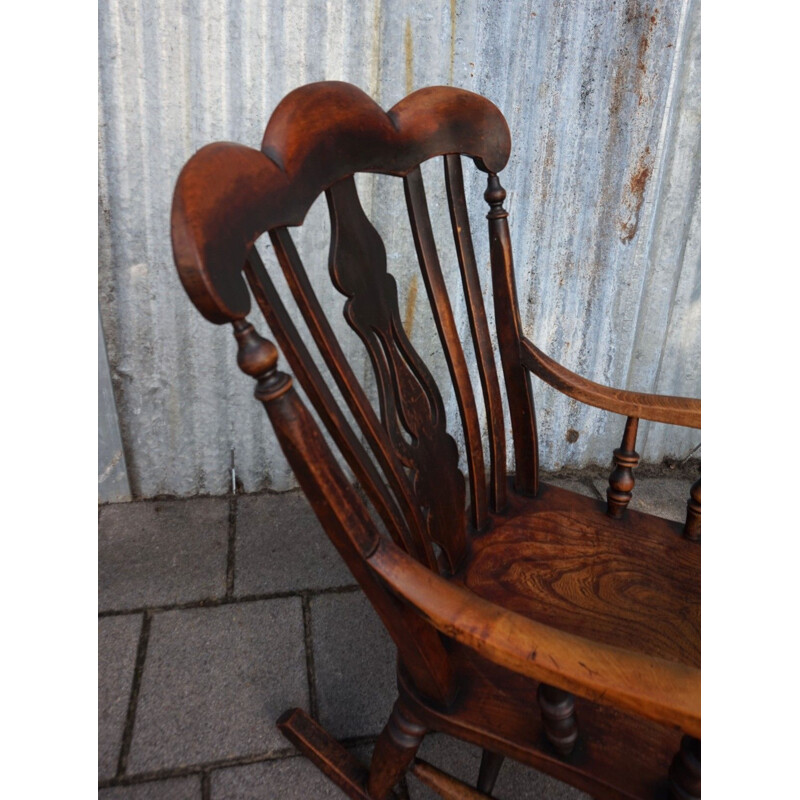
(658, 408)
(660, 690)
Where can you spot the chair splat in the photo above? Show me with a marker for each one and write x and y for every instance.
(412, 409)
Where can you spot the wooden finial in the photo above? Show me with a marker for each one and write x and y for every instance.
(621, 482)
(494, 196)
(258, 358)
(691, 530)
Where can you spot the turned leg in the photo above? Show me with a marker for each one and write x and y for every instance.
(684, 774)
(558, 717)
(620, 482)
(691, 530)
(395, 748)
(490, 769)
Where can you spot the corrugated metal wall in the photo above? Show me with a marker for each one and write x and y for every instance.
(603, 101)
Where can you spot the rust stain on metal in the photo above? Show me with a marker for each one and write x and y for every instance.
(637, 185)
(572, 435)
(411, 304)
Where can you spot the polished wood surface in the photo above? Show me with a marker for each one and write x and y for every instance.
(658, 408)
(536, 623)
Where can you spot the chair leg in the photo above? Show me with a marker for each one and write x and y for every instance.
(558, 717)
(396, 746)
(684, 774)
(490, 769)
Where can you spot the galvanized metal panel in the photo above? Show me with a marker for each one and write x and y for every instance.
(603, 190)
(112, 476)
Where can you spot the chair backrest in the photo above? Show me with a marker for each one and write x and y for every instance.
(318, 137)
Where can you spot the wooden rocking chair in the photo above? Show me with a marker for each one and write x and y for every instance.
(534, 622)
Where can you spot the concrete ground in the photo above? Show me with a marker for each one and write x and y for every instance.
(217, 614)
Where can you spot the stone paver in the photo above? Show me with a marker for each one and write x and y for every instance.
(286, 779)
(214, 682)
(294, 778)
(462, 760)
(118, 638)
(664, 497)
(187, 788)
(354, 661)
(162, 552)
(280, 547)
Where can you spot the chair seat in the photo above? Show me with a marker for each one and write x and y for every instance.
(560, 560)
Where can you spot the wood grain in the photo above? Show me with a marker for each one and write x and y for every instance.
(658, 408)
(536, 592)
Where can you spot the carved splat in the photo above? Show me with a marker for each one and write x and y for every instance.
(412, 410)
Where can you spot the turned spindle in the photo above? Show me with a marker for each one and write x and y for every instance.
(258, 358)
(620, 482)
(396, 746)
(691, 530)
(494, 196)
(684, 773)
(558, 717)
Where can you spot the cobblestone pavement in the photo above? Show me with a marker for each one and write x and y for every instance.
(217, 614)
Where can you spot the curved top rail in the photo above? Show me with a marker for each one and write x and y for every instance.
(227, 195)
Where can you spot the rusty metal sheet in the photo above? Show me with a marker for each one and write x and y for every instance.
(603, 101)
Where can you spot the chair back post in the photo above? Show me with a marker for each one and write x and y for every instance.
(340, 510)
(509, 337)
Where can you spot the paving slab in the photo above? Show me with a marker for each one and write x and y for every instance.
(664, 497)
(214, 682)
(462, 760)
(162, 552)
(187, 788)
(354, 661)
(281, 547)
(117, 641)
(287, 779)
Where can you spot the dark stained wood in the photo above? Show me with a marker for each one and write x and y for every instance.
(325, 752)
(396, 746)
(632, 583)
(489, 770)
(658, 408)
(558, 717)
(509, 333)
(443, 784)
(684, 772)
(658, 689)
(451, 343)
(617, 755)
(412, 410)
(376, 434)
(227, 195)
(540, 598)
(308, 374)
(340, 510)
(691, 530)
(620, 482)
(481, 338)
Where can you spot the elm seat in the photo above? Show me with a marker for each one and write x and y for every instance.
(529, 620)
(559, 559)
